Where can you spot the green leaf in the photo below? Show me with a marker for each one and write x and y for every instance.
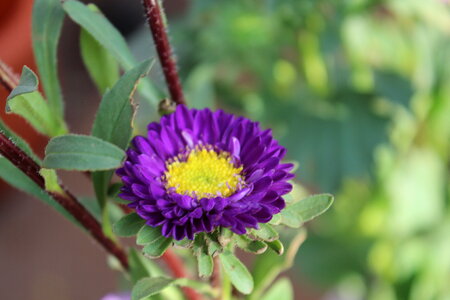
(19, 142)
(114, 116)
(51, 181)
(204, 264)
(281, 290)
(268, 266)
(27, 102)
(276, 246)
(290, 219)
(148, 234)
(266, 232)
(276, 220)
(128, 225)
(47, 21)
(249, 245)
(239, 275)
(82, 153)
(150, 286)
(141, 267)
(15, 177)
(154, 285)
(101, 65)
(113, 122)
(108, 37)
(304, 210)
(202, 287)
(157, 248)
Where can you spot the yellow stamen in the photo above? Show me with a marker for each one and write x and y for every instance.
(204, 174)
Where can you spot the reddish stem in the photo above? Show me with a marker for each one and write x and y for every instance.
(156, 23)
(176, 265)
(27, 165)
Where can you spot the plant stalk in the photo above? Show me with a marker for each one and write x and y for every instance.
(156, 23)
(176, 265)
(67, 200)
(216, 278)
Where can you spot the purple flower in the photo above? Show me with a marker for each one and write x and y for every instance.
(118, 296)
(197, 170)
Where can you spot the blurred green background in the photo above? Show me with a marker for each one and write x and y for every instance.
(359, 92)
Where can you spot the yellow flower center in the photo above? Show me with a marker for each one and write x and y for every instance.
(204, 174)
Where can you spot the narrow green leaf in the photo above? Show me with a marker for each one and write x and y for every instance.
(12, 175)
(150, 286)
(19, 142)
(306, 209)
(47, 21)
(141, 267)
(249, 245)
(202, 287)
(157, 248)
(114, 116)
(113, 122)
(268, 266)
(239, 275)
(204, 264)
(276, 246)
(101, 65)
(109, 37)
(128, 225)
(82, 153)
(266, 232)
(290, 219)
(281, 290)
(27, 102)
(276, 220)
(51, 181)
(214, 247)
(148, 234)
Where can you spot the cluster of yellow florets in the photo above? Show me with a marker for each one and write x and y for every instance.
(205, 173)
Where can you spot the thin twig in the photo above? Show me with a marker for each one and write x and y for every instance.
(27, 165)
(8, 79)
(156, 23)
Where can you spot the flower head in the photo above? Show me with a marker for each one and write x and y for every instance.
(198, 170)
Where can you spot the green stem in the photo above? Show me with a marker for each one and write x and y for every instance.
(226, 287)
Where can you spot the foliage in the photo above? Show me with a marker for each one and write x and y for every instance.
(105, 54)
(359, 92)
